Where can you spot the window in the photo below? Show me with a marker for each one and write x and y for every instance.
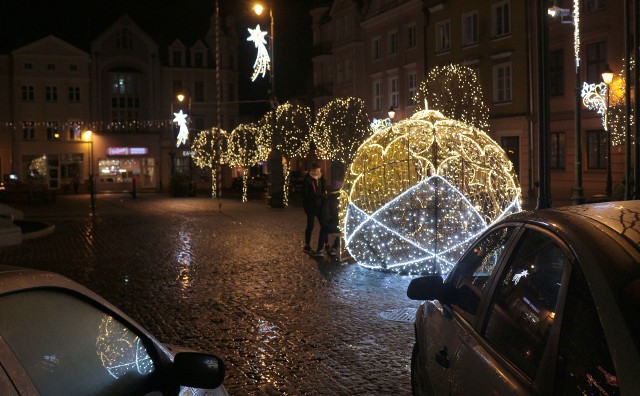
(556, 73)
(471, 275)
(52, 130)
(557, 150)
(502, 82)
(51, 329)
(51, 94)
(578, 367)
(524, 301)
(176, 58)
(74, 94)
(75, 133)
(125, 98)
(593, 5)
(470, 28)
(443, 38)
(597, 149)
(73, 67)
(124, 38)
(376, 48)
(198, 59)
(511, 146)
(51, 66)
(411, 36)
(28, 66)
(394, 92)
(377, 96)
(177, 87)
(28, 130)
(339, 73)
(596, 61)
(393, 43)
(412, 86)
(348, 73)
(501, 19)
(28, 93)
(198, 91)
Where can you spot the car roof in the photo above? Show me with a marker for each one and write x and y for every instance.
(621, 217)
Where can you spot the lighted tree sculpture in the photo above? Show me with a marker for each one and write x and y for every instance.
(290, 133)
(38, 168)
(420, 190)
(246, 147)
(208, 151)
(455, 91)
(340, 128)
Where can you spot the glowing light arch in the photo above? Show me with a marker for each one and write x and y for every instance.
(419, 191)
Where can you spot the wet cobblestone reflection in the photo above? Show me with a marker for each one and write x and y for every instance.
(235, 283)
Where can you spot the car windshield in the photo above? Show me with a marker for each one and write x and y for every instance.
(68, 346)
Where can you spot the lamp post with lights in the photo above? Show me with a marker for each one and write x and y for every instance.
(87, 136)
(565, 16)
(607, 78)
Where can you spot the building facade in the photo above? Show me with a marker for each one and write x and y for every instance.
(124, 90)
(392, 45)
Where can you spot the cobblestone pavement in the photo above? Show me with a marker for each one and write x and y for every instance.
(234, 282)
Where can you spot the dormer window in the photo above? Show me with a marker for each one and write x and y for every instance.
(198, 60)
(176, 58)
(124, 38)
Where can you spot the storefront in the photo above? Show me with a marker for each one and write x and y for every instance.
(124, 166)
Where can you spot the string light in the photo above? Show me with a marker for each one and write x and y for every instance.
(419, 191)
(208, 151)
(263, 62)
(340, 128)
(247, 145)
(456, 92)
(290, 133)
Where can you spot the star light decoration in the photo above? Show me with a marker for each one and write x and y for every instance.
(183, 134)
(263, 62)
(419, 191)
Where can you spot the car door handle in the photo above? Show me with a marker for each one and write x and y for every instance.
(441, 358)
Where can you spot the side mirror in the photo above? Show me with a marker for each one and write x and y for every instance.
(430, 287)
(198, 370)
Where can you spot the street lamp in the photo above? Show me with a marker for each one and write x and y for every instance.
(87, 136)
(565, 16)
(391, 113)
(274, 161)
(607, 78)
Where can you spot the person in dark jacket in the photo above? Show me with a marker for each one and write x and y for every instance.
(314, 190)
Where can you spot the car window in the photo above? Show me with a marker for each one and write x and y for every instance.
(471, 275)
(68, 346)
(584, 361)
(524, 303)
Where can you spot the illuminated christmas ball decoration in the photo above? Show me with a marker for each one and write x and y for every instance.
(419, 191)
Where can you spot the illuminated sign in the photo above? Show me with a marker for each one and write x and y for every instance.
(127, 151)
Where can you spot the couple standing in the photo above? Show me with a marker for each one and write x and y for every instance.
(318, 204)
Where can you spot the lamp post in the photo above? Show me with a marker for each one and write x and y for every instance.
(565, 16)
(87, 136)
(607, 78)
(274, 161)
(172, 154)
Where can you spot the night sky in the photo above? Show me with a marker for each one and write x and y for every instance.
(79, 22)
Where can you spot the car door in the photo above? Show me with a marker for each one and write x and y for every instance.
(447, 326)
(512, 338)
(65, 344)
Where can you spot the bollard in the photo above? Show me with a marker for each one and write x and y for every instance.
(133, 188)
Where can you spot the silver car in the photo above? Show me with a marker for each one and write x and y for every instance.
(544, 302)
(59, 338)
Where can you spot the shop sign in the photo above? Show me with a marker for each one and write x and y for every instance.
(116, 151)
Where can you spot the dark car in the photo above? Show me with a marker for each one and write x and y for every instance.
(544, 302)
(59, 338)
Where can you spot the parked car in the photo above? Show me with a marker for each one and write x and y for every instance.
(57, 337)
(544, 302)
